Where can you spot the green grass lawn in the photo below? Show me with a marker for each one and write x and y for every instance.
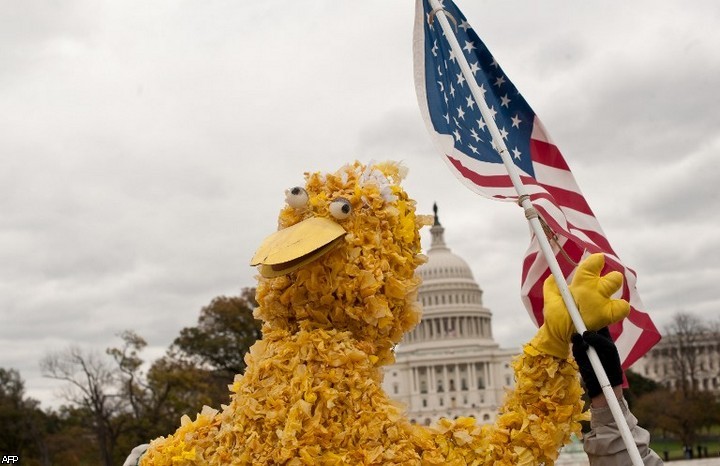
(675, 449)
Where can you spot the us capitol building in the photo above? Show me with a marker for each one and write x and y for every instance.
(449, 365)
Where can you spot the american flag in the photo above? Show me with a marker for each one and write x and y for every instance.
(461, 134)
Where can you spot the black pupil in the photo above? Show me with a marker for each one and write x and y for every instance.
(345, 208)
(295, 191)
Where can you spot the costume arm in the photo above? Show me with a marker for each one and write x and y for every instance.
(537, 418)
(543, 410)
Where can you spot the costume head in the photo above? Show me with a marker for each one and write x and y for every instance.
(344, 258)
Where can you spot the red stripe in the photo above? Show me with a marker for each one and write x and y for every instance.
(527, 262)
(561, 197)
(599, 242)
(547, 154)
(492, 181)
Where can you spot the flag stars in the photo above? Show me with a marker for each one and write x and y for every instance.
(447, 118)
(452, 91)
(457, 136)
(516, 121)
(474, 135)
(503, 133)
(435, 49)
(481, 124)
(473, 148)
(482, 89)
(452, 56)
(494, 63)
(505, 101)
(469, 46)
(516, 153)
(461, 113)
(470, 102)
(500, 81)
(493, 111)
(474, 68)
(460, 79)
(464, 25)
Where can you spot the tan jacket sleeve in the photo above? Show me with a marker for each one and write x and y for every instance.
(604, 444)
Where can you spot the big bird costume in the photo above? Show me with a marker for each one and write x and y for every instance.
(337, 292)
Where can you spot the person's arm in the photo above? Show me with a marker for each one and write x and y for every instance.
(600, 401)
(604, 444)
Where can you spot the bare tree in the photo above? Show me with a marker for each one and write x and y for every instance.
(91, 385)
(686, 333)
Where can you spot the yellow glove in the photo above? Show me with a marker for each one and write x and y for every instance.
(592, 294)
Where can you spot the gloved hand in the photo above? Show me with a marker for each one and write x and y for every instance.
(609, 357)
(592, 294)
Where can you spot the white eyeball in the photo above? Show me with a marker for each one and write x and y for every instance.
(340, 208)
(296, 197)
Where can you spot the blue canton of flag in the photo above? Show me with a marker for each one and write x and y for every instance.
(456, 113)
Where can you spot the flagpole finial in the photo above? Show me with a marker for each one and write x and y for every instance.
(435, 211)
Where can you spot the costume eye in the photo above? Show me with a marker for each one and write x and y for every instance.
(340, 208)
(296, 197)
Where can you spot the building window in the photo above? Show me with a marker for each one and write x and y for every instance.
(452, 385)
(395, 388)
(424, 403)
(441, 401)
(427, 421)
(486, 417)
(481, 383)
(463, 384)
(423, 386)
(440, 386)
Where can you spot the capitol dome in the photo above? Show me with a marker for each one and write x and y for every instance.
(453, 312)
(449, 365)
(442, 263)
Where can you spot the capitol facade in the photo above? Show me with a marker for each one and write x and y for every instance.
(450, 365)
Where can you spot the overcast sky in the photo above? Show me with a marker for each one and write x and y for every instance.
(145, 148)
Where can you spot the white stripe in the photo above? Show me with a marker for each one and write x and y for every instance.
(539, 132)
(556, 177)
(551, 209)
(582, 220)
(627, 339)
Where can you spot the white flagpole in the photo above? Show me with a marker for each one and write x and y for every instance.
(532, 217)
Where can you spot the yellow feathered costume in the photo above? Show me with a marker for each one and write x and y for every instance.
(338, 290)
